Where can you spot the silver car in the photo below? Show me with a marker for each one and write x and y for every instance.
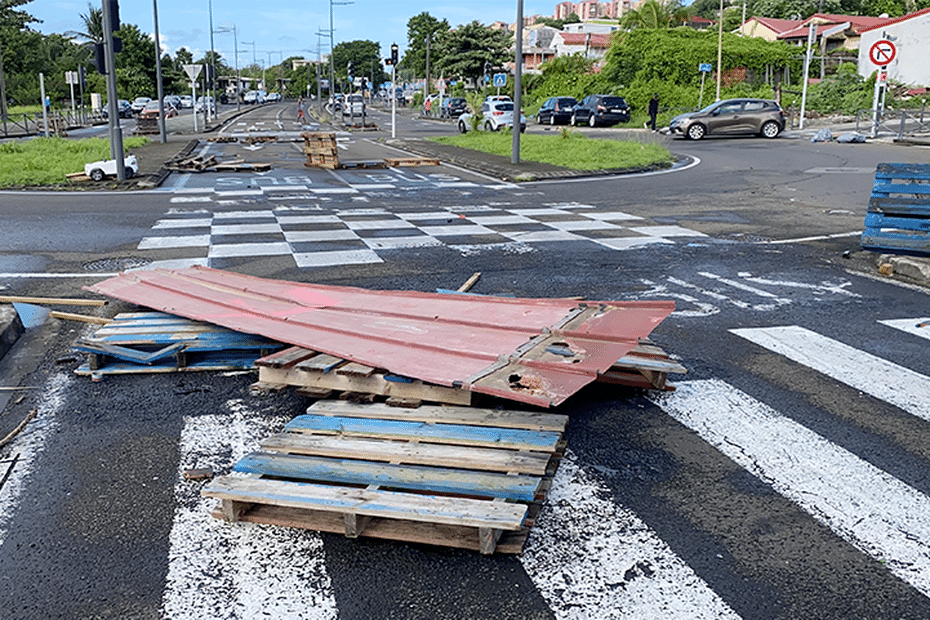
(730, 117)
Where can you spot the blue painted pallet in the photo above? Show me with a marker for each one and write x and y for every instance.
(145, 342)
(898, 218)
(451, 476)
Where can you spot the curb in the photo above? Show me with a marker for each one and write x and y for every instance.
(11, 327)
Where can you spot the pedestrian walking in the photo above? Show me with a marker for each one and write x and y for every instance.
(653, 110)
(300, 109)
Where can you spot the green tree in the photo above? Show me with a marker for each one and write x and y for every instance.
(135, 64)
(12, 21)
(93, 25)
(466, 50)
(418, 28)
(365, 57)
(559, 23)
(655, 14)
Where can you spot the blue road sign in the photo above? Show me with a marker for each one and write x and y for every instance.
(705, 67)
(500, 79)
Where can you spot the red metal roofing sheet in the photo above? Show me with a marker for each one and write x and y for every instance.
(538, 351)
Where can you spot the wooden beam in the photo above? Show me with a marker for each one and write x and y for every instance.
(79, 317)
(54, 301)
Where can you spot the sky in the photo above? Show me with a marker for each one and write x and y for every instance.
(278, 29)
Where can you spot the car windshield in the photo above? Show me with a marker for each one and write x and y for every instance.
(567, 101)
(503, 105)
(614, 102)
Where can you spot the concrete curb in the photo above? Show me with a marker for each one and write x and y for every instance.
(11, 327)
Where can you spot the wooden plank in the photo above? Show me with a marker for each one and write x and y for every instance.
(918, 189)
(470, 282)
(355, 369)
(412, 453)
(375, 384)
(385, 504)
(515, 439)
(434, 480)
(51, 301)
(505, 418)
(320, 362)
(882, 221)
(905, 170)
(68, 316)
(383, 529)
(285, 358)
(916, 207)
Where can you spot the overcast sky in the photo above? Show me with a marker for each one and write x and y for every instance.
(279, 28)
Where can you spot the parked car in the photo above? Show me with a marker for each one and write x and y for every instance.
(335, 101)
(174, 100)
(399, 96)
(498, 98)
(354, 105)
(138, 103)
(151, 110)
(556, 110)
(731, 116)
(254, 96)
(203, 101)
(494, 116)
(453, 107)
(273, 97)
(97, 170)
(186, 101)
(605, 110)
(123, 109)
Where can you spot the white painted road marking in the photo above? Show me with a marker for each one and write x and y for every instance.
(876, 512)
(238, 571)
(873, 375)
(591, 558)
(918, 327)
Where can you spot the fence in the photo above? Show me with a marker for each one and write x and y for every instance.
(900, 122)
(16, 125)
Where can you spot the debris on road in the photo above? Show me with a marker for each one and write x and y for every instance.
(450, 476)
(899, 211)
(395, 162)
(149, 342)
(536, 351)
(200, 163)
(320, 149)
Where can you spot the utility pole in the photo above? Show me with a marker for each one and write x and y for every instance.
(159, 86)
(720, 51)
(332, 45)
(426, 88)
(111, 23)
(517, 87)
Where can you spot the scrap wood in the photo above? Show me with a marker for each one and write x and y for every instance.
(52, 301)
(77, 176)
(242, 167)
(395, 162)
(538, 351)
(16, 431)
(79, 317)
(470, 282)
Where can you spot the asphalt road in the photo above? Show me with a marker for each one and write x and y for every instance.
(786, 477)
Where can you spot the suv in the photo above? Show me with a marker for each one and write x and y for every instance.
(123, 109)
(453, 107)
(355, 105)
(556, 110)
(138, 103)
(597, 110)
(731, 116)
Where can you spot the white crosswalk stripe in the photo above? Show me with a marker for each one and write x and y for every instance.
(871, 509)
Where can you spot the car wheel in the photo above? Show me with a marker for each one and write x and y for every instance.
(462, 127)
(574, 121)
(96, 174)
(592, 121)
(552, 119)
(488, 126)
(130, 173)
(770, 129)
(696, 131)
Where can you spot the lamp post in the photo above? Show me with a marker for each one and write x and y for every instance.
(159, 86)
(252, 43)
(720, 50)
(212, 63)
(332, 63)
(236, 52)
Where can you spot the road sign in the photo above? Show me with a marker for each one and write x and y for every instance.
(500, 79)
(882, 52)
(193, 71)
(705, 67)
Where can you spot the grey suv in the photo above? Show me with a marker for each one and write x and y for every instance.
(731, 116)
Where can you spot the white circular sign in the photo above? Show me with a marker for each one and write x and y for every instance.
(882, 52)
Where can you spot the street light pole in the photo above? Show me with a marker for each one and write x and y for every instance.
(332, 62)
(159, 87)
(213, 63)
(517, 86)
(720, 50)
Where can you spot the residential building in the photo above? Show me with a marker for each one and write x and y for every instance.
(767, 28)
(590, 45)
(911, 36)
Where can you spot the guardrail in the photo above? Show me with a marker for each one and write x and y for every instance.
(901, 122)
(15, 125)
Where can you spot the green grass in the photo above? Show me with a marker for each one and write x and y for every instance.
(46, 161)
(569, 149)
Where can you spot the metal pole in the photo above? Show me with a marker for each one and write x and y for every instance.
(116, 132)
(517, 87)
(811, 37)
(44, 107)
(720, 51)
(213, 62)
(426, 87)
(238, 79)
(393, 101)
(160, 87)
(332, 62)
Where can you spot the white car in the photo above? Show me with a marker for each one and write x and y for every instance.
(186, 101)
(254, 96)
(97, 170)
(138, 103)
(354, 106)
(494, 116)
(273, 97)
(204, 101)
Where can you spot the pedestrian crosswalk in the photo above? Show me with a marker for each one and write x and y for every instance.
(322, 236)
(588, 555)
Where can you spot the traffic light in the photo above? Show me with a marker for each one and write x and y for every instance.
(99, 59)
(114, 14)
(394, 54)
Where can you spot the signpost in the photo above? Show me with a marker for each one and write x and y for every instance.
(500, 79)
(704, 68)
(881, 53)
(71, 78)
(193, 72)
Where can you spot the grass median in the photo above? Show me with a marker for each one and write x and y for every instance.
(46, 161)
(568, 149)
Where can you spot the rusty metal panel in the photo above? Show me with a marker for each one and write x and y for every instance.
(537, 351)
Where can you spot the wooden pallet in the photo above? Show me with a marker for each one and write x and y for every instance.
(898, 217)
(450, 476)
(320, 149)
(193, 163)
(319, 375)
(241, 167)
(153, 342)
(647, 366)
(395, 162)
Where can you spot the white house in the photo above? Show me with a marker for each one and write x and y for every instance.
(911, 36)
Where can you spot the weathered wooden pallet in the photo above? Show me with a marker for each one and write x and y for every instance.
(242, 167)
(322, 161)
(395, 162)
(151, 342)
(259, 139)
(898, 217)
(221, 139)
(318, 375)
(647, 366)
(362, 164)
(450, 476)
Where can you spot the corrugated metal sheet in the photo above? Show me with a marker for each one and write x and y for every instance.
(537, 351)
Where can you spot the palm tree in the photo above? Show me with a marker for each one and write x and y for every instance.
(653, 14)
(93, 25)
